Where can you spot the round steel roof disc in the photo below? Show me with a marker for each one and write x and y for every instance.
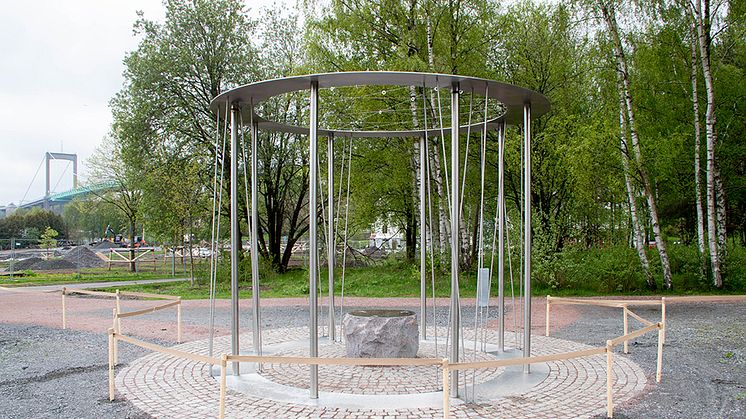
(513, 97)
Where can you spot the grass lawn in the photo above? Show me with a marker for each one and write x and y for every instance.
(29, 278)
(387, 280)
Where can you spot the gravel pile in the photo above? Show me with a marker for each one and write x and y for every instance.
(24, 264)
(105, 245)
(38, 264)
(83, 257)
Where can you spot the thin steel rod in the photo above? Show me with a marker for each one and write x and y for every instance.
(455, 306)
(255, 235)
(313, 245)
(423, 244)
(235, 243)
(527, 234)
(501, 236)
(331, 242)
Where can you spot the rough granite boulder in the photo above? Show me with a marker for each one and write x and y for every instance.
(381, 334)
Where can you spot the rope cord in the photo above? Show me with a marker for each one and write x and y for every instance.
(216, 238)
(466, 158)
(430, 216)
(443, 148)
(344, 246)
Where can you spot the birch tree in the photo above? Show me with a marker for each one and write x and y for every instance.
(609, 16)
(716, 233)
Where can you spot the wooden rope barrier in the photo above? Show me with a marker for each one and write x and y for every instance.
(175, 300)
(626, 328)
(71, 291)
(223, 365)
(663, 318)
(636, 333)
(178, 321)
(638, 318)
(522, 361)
(609, 370)
(549, 302)
(148, 310)
(114, 327)
(377, 362)
(705, 298)
(111, 364)
(149, 295)
(168, 351)
(659, 361)
(64, 310)
(119, 310)
(446, 389)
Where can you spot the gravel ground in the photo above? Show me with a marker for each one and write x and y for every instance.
(58, 373)
(704, 360)
(47, 372)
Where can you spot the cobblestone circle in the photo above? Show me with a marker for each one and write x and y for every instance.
(165, 386)
(372, 380)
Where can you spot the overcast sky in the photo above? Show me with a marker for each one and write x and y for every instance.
(60, 63)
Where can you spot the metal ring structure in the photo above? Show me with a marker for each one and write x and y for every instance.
(521, 106)
(513, 97)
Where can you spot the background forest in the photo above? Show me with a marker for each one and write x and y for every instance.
(639, 170)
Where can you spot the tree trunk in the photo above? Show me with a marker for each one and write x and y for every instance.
(191, 253)
(133, 264)
(623, 74)
(697, 163)
(702, 22)
(443, 225)
(639, 240)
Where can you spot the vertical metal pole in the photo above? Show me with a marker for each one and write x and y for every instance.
(257, 326)
(331, 246)
(423, 245)
(455, 215)
(48, 184)
(75, 178)
(235, 243)
(12, 256)
(527, 234)
(312, 232)
(501, 235)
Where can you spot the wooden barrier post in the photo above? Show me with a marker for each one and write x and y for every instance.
(547, 322)
(119, 310)
(659, 366)
(446, 390)
(114, 327)
(626, 329)
(178, 321)
(609, 395)
(111, 364)
(223, 364)
(64, 309)
(663, 319)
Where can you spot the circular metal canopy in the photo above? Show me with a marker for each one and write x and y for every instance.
(513, 97)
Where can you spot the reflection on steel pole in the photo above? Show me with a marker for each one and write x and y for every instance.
(257, 326)
(501, 235)
(423, 244)
(235, 244)
(527, 234)
(331, 244)
(455, 215)
(312, 231)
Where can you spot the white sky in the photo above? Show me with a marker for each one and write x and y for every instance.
(60, 63)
